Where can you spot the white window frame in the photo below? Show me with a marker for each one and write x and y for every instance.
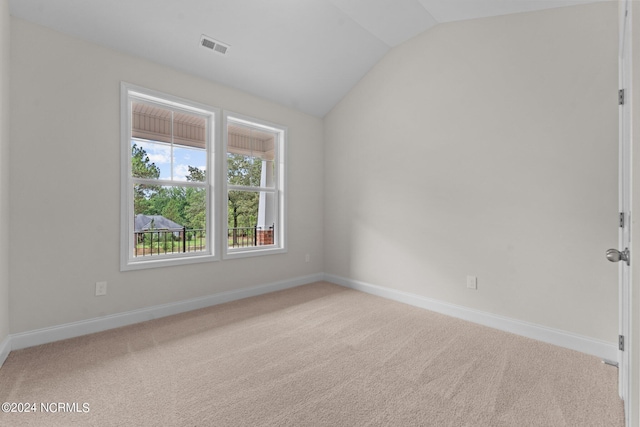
(280, 173)
(128, 261)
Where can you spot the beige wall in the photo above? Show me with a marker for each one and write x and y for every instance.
(4, 168)
(65, 199)
(487, 148)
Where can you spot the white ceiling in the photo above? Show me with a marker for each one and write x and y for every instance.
(305, 54)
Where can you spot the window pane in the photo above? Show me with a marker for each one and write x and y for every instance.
(250, 155)
(190, 164)
(169, 219)
(252, 218)
(167, 144)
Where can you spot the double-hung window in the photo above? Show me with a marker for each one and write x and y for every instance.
(255, 191)
(193, 189)
(167, 211)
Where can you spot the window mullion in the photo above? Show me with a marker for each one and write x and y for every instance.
(168, 183)
(254, 189)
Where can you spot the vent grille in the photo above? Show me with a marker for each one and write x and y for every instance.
(214, 45)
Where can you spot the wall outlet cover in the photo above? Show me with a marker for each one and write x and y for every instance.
(101, 288)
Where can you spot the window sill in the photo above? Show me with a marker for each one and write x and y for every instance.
(142, 264)
(246, 253)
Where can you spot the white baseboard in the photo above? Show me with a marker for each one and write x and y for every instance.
(5, 349)
(601, 349)
(99, 324)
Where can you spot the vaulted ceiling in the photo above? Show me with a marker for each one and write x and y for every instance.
(305, 54)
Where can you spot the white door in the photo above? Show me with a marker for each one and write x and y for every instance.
(624, 187)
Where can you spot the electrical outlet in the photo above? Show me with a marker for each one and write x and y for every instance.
(307, 258)
(472, 282)
(101, 288)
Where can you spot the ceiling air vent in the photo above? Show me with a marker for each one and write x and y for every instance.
(214, 45)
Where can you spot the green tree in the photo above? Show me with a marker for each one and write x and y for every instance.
(196, 174)
(196, 205)
(173, 201)
(142, 167)
(195, 208)
(244, 170)
(157, 201)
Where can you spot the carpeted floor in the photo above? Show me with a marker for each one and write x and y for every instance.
(314, 355)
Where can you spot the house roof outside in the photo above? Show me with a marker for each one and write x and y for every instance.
(156, 222)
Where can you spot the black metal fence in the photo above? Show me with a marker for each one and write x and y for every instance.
(242, 237)
(182, 240)
(168, 241)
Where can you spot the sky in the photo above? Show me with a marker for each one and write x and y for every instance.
(183, 157)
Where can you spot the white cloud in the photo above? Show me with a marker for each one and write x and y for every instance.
(180, 172)
(160, 158)
(158, 153)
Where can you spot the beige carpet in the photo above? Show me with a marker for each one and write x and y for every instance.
(315, 355)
